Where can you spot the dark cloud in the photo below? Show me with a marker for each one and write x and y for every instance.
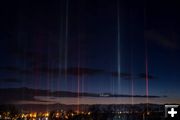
(28, 94)
(143, 76)
(82, 71)
(167, 41)
(129, 76)
(9, 93)
(10, 80)
(16, 70)
(73, 71)
(9, 69)
(123, 75)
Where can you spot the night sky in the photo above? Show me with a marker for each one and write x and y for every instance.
(72, 45)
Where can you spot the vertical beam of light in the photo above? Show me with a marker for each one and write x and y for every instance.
(60, 46)
(82, 88)
(132, 79)
(78, 84)
(48, 77)
(147, 78)
(118, 49)
(146, 61)
(79, 72)
(66, 41)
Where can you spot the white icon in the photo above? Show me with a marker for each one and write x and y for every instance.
(172, 112)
